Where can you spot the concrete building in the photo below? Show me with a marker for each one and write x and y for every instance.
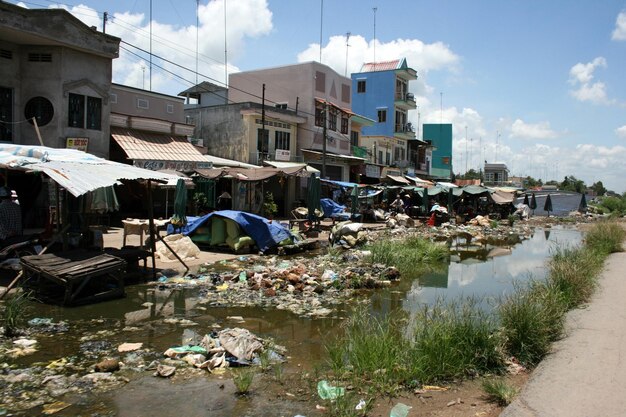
(440, 137)
(380, 91)
(56, 69)
(496, 174)
(317, 93)
(148, 130)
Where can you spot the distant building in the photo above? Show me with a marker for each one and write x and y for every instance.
(496, 174)
(439, 136)
(315, 92)
(380, 91)
(56, 69)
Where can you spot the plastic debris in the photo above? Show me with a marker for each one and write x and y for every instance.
(361, 405)
(243, 277)
(400, 410)
(328, 392)
(54, 407)
(129, 347)
(165, 371)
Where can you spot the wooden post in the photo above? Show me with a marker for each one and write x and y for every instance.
(37, 131)
(151, 230)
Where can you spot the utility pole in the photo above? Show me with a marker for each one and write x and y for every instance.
(105, 17)
(347, 46)
(324, 141)
(262, 124)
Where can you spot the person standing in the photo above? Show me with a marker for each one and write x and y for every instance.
(10, 215)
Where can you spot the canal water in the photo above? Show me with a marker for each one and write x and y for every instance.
(164, 318)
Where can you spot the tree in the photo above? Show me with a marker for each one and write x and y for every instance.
(571, 183)
(472, 174)
(598, 188)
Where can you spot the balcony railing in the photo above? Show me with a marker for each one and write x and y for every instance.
(404, 128)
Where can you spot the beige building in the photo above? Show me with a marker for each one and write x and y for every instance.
(317, 93)
(57, 70)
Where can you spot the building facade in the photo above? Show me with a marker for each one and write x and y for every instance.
(57, 70)
(439, 136)
(380, 91)
(319, 94)
(496, 174)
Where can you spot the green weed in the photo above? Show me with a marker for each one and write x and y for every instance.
(499, 391)
(242, 378)
(14, 313)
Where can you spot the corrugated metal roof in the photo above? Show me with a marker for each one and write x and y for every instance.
(140, 145)
(76, 171)
(380, 66)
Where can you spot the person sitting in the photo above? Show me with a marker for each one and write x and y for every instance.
(397, 205)
(10, 216)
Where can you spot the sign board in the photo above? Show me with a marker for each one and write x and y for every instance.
(182, 166)
(372, 171)
(283, 155)
(77, 143)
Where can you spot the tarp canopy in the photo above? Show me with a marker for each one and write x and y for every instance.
(223, 162)
(331, 208)
(265, 234)
(398, 179)
(76, 171)
(252, 174)
(503, 197)
(343, 184)
(284, 164)
(418, 180)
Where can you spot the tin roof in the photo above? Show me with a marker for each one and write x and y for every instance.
(380, 66)
(142, 145)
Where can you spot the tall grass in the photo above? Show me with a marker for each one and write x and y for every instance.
(499, 391)
(454, 339)
(13, 314)
(409, 255)
(606, 236)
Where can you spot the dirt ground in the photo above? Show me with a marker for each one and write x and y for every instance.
(458, 400)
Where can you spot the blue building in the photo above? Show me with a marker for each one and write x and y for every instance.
(440, 137)
(380, 91)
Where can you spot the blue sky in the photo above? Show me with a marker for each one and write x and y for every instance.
(537, 85)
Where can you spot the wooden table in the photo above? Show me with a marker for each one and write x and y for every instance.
(76, 277)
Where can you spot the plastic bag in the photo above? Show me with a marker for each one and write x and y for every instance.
(328, 392)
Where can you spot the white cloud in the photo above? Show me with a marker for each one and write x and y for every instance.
(522, 130)
(619, 34)
(420, 56)
(246, 19)
(621, 132)
(581, 77)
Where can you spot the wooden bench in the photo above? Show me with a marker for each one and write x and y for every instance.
(77, 277)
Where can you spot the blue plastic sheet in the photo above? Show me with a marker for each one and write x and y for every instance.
(265, 234)
(333, 209)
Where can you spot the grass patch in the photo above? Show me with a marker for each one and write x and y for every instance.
(455, 339)
(606, 237)
(499, 391)
(409, 255)
(242, 378)
(14, 313)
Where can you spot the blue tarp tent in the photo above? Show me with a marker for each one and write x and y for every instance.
(333, 209)
(265, 234)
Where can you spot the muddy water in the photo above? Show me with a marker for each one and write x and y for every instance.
(145, 316)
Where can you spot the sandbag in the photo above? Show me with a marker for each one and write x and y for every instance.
(218, 231)
(232, 229)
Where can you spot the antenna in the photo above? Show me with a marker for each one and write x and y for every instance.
(197, 25)
(347, 46)
(441, 108)
(465, 150)
(374, 9)
(321, 27)
(150, 45)
(225, 50)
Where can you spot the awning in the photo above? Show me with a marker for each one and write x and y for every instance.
(150, 147)
(282, 164)
(223, 162)
(502, 197)
(346, 158)
(396, 178)
(76, 171)
(418, 180)
(251, 174)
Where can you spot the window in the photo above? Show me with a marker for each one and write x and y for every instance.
(5, 53)
(345, 93)
(344, 125)
(6, 114)
(113, 98)
(142, 103)
(170, 108)
(354, 138)
(263, 141)
(41, 109)
(281, 140)
(320, 81)
(281, 106)
(382, 116)
(388, 159)
(380, 157)
(84, 112)
(332, 120)
(360, 86)
(39, 57)
(319, 117)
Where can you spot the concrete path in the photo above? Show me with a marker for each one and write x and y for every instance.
(585, 376)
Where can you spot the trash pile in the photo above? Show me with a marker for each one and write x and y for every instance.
(305, 286)
(220, 350)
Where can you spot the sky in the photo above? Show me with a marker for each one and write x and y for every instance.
(538, 85)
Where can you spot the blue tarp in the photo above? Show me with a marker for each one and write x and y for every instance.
(333, 209)
(265, 234)
(343, 184)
